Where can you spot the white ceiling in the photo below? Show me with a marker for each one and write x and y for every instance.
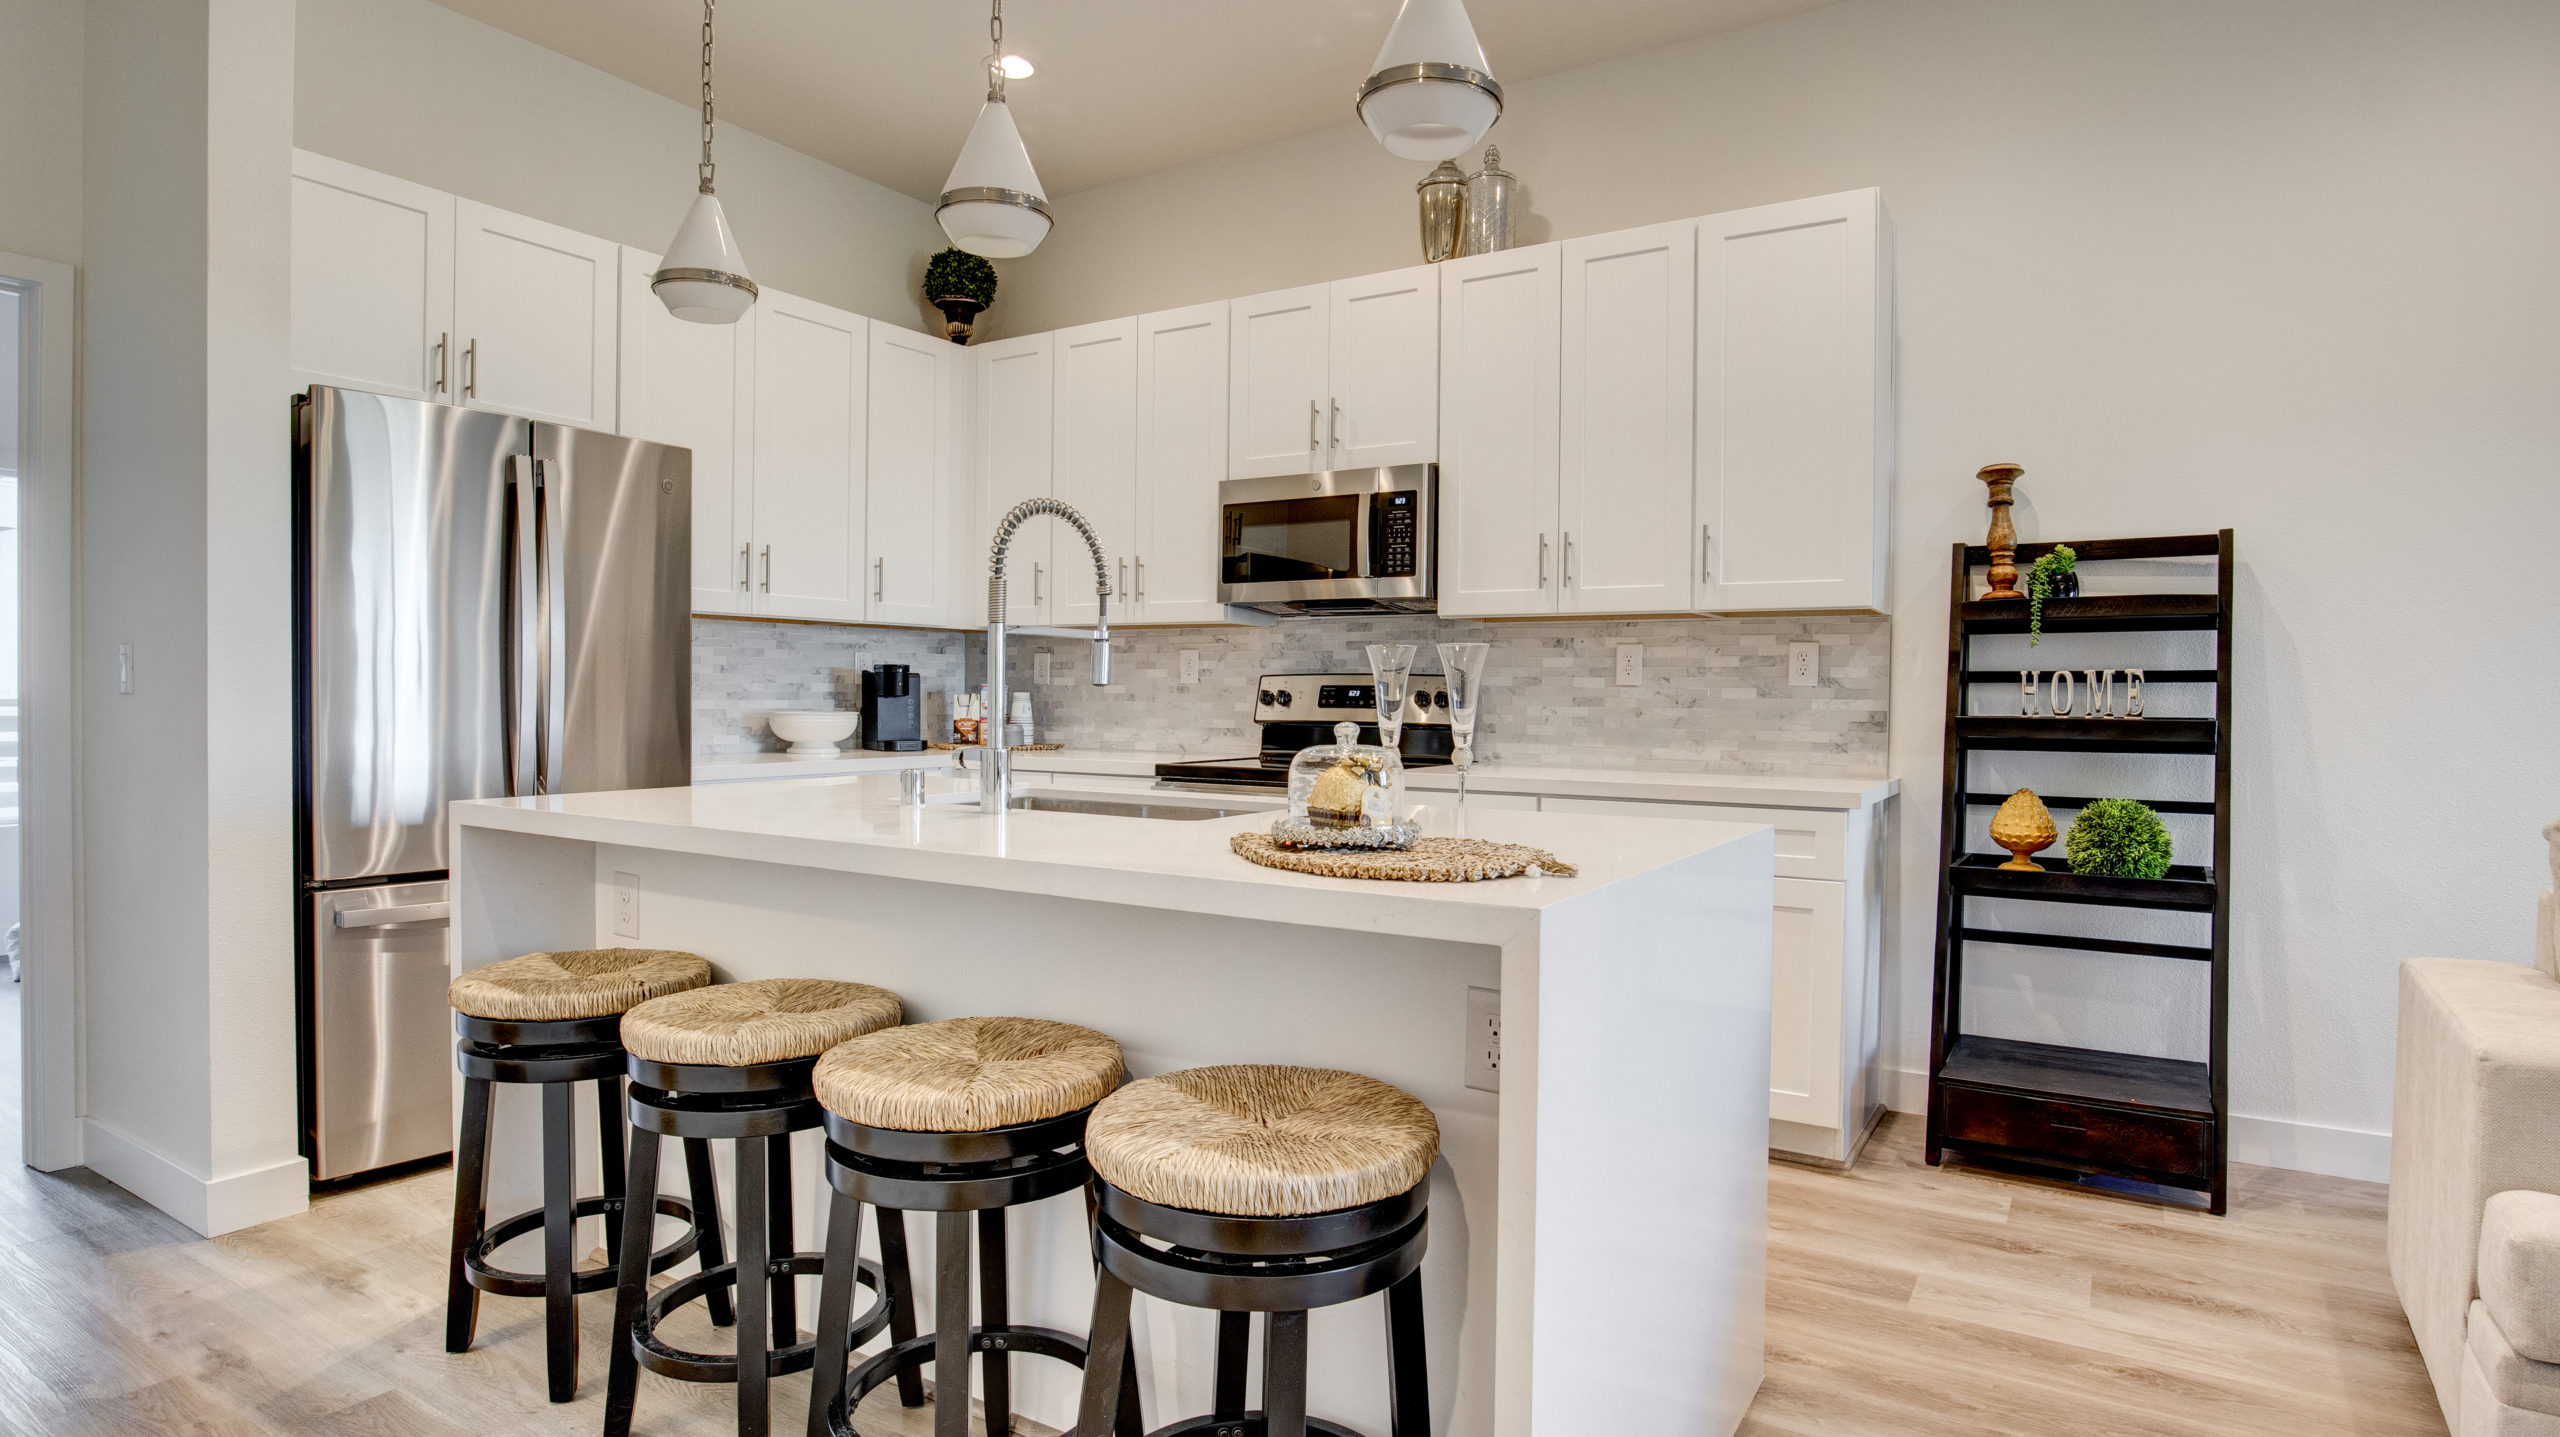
(887, 88)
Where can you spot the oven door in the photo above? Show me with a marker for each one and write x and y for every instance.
(1349, 536)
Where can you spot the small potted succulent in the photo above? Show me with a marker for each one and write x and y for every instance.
(961, 285)
(2120, 838)
(2055, 576)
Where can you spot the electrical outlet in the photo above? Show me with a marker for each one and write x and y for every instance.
(1190, 666)
(1484, 1039)
(626, 905)
(1630, 665)
(1040, 667)
(1804, 664)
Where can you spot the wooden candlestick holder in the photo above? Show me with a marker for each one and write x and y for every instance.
(2003, 541)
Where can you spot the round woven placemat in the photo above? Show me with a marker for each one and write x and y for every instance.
(1430, 860)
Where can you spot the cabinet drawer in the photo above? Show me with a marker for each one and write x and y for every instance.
(1811, 841)
(2091, 1132)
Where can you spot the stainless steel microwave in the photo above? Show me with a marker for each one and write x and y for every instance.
(1346, 542)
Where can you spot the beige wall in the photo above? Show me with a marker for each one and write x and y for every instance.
(2291, 267)
(415, 90)
(40, 43)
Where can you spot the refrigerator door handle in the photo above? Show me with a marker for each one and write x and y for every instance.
(404, 913)
(551, 641)
(521, 678)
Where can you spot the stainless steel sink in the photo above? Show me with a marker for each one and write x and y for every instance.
(1125, 808)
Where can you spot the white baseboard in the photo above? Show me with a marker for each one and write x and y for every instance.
(2260, 1142)
(210, 1206)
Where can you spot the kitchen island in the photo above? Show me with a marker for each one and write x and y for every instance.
(1598, 1226)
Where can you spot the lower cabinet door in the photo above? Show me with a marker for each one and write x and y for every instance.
(1808, 947)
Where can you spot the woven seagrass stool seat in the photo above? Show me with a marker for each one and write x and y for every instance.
(554, 1019)
(733, 1063)
(972, 1115)
(1278, 1190)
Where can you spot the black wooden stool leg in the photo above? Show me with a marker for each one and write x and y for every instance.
(706, 1213)
(622, 1380)
(835, 1309)
(995, 1368)
(951, 1324)
(1131, 1422)
(1408, 1373)
(778, 1233)
(611, 1122)
(902, 1296)
(559, 1229)
(470, 1214)
(1284, 1375)
(753, 1289)
(1235, 1334)
(1106, 1353)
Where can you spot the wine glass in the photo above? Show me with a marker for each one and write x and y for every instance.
(1464, 666)
(1389, 666)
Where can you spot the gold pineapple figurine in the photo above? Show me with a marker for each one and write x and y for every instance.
(2023, 826)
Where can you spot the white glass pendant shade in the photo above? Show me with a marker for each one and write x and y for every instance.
(993, 205)
(1431, 95)
(703, 277)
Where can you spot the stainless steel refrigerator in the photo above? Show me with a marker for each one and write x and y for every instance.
(485, 607)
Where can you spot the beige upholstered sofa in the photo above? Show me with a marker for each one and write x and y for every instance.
(2475, 1181)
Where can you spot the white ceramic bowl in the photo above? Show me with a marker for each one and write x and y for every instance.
(814, 733)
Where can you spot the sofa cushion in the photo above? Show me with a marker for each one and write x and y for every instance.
(2514, 1380)
(2520, 1270)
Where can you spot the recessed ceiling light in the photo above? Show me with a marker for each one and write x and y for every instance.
(1017, 68)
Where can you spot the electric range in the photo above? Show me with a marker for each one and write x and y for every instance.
(1298, 711)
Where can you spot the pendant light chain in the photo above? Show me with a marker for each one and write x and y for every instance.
(707, 166)
(995, 56)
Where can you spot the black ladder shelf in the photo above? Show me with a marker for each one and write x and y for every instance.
(2157, 1120)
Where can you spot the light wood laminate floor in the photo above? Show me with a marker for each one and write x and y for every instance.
(1904, 1300)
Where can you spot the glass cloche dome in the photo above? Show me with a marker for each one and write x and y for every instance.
(1346, 794)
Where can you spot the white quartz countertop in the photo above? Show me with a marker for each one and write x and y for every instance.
(855, 824)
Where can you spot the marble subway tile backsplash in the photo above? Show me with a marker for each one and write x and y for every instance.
(744, 669)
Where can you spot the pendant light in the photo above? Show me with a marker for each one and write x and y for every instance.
(703, 277)
(1431, 95)
(993, 205)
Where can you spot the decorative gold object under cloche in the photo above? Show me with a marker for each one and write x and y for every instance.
(2023, 826)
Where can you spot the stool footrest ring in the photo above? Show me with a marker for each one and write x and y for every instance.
(1250, 1424)
(503, 1283)
(877, 1371)
(670, 1361)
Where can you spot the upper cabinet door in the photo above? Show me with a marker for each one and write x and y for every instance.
(914, 474)
(1096, 465)
(1794, 404)
(372, 281)
(690, 385)
(1499, 392)
(1276, 382)
(1014, 382)
(1383, 406)
(1626, 472)
(1182, 454)
(810, 447)
(534, 311)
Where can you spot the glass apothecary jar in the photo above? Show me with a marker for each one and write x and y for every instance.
(1346, 794)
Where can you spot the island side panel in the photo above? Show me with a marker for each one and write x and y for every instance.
(1651, 1073)
(1176, 990)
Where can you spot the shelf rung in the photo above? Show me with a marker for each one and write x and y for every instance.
(2055, 800)
(2149, 676)
(2089, 945)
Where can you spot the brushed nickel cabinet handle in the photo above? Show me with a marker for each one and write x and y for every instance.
(1333, 431)
(1311, 426)
(1542, 561)
(1123, 589)
(768, 568)
(471, 370)
(879, 577)
(1142, 579)
(444, 342)
(746, 568)
(1706, 536)
(1037, 595)
(1568, 558)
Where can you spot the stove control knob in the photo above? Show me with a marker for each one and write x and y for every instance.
(1267, 699)
(1284, 698)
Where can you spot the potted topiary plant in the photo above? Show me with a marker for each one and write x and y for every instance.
(2119, 838)
(2055, 576)
(960, 284)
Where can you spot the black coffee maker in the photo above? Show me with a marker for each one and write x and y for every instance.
(892, 709)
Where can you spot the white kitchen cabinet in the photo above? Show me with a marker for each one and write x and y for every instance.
(1794, 405)
(1278, 356)
(1016, 400)
(693, 385)
(916, 477)
(1182, 454)
(1384, 404)
(1626, 473)
(534, 317)
(372, 281)
(1094, 462)
(811, 447)
(1499, 397)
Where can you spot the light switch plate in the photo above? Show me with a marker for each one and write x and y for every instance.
(1190, 666)
(1040, 667)
(626, 905)
(1804, 664)
(1484, 1039)
(1630, 665)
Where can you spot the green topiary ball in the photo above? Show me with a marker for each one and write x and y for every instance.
(2118, 838)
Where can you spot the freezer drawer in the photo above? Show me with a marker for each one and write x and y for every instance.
(382, 1045)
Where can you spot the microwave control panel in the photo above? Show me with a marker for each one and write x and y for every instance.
(1394, 525)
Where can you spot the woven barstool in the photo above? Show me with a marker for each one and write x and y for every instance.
(972, 1115)
(555, 1019)
(733, 1063)
(1278, 1190)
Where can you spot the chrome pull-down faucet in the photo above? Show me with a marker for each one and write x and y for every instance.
(995, 764)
